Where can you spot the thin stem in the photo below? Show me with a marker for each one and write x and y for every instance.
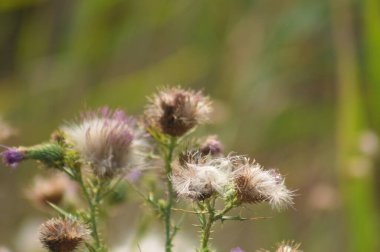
(207, 225)
(93, 212)
(170, 195)
(208, 220)
(223, 212)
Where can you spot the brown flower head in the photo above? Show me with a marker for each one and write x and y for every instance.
(52, 189)
(254, 185)
(175, 111)
(63, 235)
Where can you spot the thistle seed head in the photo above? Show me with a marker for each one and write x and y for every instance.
(63, 235)
(254, 185)
(201, 176)
(175, 111)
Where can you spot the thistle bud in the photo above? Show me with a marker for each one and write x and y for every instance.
(13, 156)
(63, 235)
(175, 111)
(52, 155)
(211, 146)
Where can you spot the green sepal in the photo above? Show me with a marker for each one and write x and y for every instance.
(51, 154)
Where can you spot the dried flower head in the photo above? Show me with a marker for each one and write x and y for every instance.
(288, 247)
(63, 235)
(13, 156)
(51, 189)
(175, 111)
(211, 146)
(202, 176)
(254, 185)
(106, 140)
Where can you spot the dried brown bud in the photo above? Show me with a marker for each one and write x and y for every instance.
(52, 189)
(175, 111)
(211, 146)
(63, 235)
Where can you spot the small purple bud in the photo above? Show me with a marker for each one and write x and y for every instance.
(237, 249)
(212, 146)
(13, 156)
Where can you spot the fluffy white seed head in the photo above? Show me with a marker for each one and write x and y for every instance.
(200, 177)
(254, 185)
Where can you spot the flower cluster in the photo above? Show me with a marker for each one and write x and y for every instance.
(199, 177)
(105, 152)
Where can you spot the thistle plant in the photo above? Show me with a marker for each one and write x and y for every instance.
(106, 148)
(171, 114)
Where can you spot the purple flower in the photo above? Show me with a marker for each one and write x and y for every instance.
(237, 249)
(106, 140)
(212, 146)
(13, 156)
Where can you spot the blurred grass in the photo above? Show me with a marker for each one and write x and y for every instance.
(289, 79)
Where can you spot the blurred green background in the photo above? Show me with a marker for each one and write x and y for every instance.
(296, 86)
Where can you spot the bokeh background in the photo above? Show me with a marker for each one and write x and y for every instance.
(296, 86)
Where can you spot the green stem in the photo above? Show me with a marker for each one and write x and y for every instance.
(170, 196)
(93, 205)
(208, 219)
(207, 226)
(223, 212)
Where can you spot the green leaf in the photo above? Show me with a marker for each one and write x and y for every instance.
(61, 211)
